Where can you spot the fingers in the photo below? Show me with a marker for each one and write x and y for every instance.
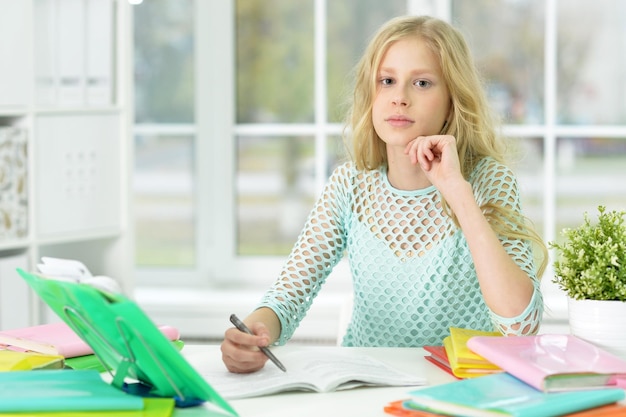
(239, 360)
(263, 333)
(411, 150)
(424, 150)
(425, 154)
(240, 351)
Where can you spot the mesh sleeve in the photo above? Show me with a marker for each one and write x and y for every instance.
(318, 249)
(497, 185)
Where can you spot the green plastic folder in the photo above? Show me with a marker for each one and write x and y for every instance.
(139, 358)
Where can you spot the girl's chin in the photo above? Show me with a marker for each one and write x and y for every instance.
(399, 140)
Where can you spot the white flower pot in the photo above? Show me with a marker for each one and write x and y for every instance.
(602, 323)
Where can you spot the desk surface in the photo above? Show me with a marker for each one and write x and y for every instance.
(361, 402)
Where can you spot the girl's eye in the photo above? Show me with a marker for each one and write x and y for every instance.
(423, 83)
(386, 81)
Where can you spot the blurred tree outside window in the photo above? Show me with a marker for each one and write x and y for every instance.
(163, 178)
(591, 58)
(276, 101)
(512, 61)
(557, 86)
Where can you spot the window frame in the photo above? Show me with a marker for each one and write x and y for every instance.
(217, 262)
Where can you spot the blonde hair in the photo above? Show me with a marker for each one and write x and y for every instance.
(471, 121)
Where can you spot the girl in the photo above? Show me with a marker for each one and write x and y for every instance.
(427, 212)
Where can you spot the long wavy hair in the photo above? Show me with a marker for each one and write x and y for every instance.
(471, 121)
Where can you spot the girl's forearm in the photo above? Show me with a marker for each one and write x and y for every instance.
(506, 288)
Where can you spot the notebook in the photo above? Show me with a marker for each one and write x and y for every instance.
(439, 358)
(464, 362)
(152, 407)
(127, 342)
(401, 408)
(610, 410)
(503, 395)
(553, 362)
(56, 339)
(61, 390)
(24, 361)
(397, 408)
(92, 361)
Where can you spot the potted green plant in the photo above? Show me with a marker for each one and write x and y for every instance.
(591, 269)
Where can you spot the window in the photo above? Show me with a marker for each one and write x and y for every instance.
(239, 106)
(293, 61)
(164, 180)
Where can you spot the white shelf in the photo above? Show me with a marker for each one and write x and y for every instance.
(16, 57)
(12, 112)
(63, 63)
(12, 244)
(76, 110)
(78, 173)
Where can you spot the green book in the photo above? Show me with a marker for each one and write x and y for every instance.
(92, 361)
(61, 390)
(152, 407)
(503, 395)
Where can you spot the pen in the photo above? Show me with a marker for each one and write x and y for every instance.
(241, 326)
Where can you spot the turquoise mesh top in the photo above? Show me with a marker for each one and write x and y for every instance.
(413, 275)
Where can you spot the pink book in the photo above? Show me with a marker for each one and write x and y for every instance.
(552, 362)
(56, 339)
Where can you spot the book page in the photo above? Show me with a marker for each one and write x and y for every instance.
(319, 369)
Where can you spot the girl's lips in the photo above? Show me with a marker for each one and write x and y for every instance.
(399, 121)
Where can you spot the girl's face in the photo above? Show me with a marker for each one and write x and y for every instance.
(412, 99)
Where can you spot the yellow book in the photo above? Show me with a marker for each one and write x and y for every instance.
(463, 362)
(24, 361)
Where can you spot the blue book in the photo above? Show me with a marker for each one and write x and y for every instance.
(62, 390)
(503, 395)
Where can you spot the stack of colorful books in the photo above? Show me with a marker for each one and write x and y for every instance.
(547, 375)
(457, 359)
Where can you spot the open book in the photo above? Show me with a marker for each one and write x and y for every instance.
(319, 369)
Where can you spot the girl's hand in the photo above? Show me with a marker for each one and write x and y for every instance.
(437, 156)
(240, 351)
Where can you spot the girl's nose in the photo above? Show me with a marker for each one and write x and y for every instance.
(400, 99)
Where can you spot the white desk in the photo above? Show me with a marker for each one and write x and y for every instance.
(361, 402)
